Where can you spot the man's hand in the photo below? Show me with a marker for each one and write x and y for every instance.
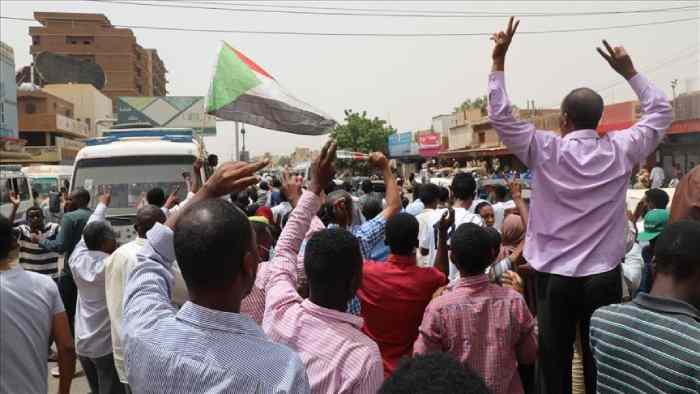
(515, 189)
(446, 221)
(291, 187)
(14, 199)
(378, 160)
(197, 165)
(502, 40)
(323, 169)
(106, 198)
(232, 177)
(619, 60)
(513, 280)
(172, 198)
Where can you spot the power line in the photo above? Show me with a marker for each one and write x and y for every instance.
(336, 34)
(375, 14)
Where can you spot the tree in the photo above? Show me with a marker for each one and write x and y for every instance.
(358, 133)
(284, 161)
(479, 102)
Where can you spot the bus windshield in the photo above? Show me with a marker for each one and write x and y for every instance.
(42, 186)
(130, 178)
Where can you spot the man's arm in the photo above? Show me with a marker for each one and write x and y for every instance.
(281, 287)
(60, 331)
(15, 200)
(393, 191)
(442, 261)
(527, 345)
(430, 333)
(65, 232)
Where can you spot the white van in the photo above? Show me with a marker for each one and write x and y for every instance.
(130, 162)
(44, 179)
(12, 179)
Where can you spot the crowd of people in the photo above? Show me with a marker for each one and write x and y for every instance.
(297, 285)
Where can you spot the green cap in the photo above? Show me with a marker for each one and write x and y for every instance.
(654, 223)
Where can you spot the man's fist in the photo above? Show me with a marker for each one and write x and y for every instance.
(619, 60)
(378, 160)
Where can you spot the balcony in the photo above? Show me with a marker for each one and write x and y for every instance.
(53, 123)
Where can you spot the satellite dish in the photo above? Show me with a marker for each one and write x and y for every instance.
(55, 68)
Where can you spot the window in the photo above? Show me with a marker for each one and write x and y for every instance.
(36, 40)
(30, 108)
(482, 137)
(76, 40)
(69, 113)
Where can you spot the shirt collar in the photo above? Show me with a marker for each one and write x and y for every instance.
(581, 134)
(666, 305)
(330, 314)
(473, 281)
(218, 320)
(402, 260)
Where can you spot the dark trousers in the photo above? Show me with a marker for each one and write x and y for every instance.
(102, 375)
(562, 303)
(69, 295)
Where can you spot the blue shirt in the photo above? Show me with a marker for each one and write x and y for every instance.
(195, 349)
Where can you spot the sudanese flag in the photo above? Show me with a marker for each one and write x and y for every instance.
(244, 92)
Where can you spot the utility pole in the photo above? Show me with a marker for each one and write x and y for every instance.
(236, 154)
(674, 83)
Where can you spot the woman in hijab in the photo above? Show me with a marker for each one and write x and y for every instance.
(686, 199)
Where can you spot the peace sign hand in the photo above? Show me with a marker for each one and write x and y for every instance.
(503, 39)
(619, 60)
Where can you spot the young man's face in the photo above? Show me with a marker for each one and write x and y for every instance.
(36, 219)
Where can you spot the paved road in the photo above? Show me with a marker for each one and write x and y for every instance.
(79, 386)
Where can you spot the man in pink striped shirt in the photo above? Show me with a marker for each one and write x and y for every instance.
(486, 327)
(338, 357)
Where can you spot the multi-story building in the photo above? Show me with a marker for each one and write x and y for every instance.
(90, 106)
(8, 92)
(130, 70)
(48, 125)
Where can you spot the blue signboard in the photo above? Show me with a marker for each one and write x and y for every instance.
(400, 144)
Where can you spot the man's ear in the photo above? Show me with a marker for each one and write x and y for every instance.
(250, 266)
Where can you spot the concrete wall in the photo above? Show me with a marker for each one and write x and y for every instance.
(460, 137)
(89, 104)
(8, 92)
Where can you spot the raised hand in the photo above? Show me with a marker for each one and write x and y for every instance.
(446, 221)
(232, 177)
(106, 197)
(502, 41)
(515, 189)
(619, 60)
(14, 199)
(513, 280)
(378, 160)
(291, 187)
(323, 169)
(172, 198)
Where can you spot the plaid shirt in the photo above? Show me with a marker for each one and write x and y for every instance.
(482, 325)
(338, 357)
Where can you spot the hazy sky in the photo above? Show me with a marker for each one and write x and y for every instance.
(405, 80)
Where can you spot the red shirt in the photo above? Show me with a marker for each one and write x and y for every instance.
(394, 295)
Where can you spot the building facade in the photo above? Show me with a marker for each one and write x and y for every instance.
(130, 70)
(8, 92)
(48, 125)
(90, 106)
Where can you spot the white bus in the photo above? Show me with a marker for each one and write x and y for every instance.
(130, 162)
(12, 179)
(44, 179)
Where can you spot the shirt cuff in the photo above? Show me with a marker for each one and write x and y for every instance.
(638, 83)
(161, 239)
(497, 76)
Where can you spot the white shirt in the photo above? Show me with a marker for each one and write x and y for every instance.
(423, 226)
(657, 177)
(118, 266)
(93, 337)
(429, 240)
(177, 207)
(279, 210)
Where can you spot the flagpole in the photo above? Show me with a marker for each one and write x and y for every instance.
(237, 154)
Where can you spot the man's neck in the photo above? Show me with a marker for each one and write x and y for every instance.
(665, 287)
(217, 301)
(335, 303)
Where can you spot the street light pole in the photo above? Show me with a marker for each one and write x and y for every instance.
(236, 154)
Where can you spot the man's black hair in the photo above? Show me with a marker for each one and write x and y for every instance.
(332, 261)
(477, 209)
(156, 196)
(677, 250)
(444, 194)
(276, 182)
(583, 107)
(401, 234)
(80, 198)
(472, 248)
(213, 160)
(463, 186)
(429, 194)
(495, 238)
(252, 209)
(146, 217)
(211, 240)
(367, 186)
(260, 228)
(434, 373)
(657, 198)
(500, 191)
(347, 186)
(7, 237)
(96, 233)
(372, 207)
(264, 186)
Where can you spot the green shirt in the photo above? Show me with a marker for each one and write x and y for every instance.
(69, 235)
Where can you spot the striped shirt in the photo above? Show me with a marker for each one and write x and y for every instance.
(34, 257)
(338, 357)
(195, 349)
(651, 344)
